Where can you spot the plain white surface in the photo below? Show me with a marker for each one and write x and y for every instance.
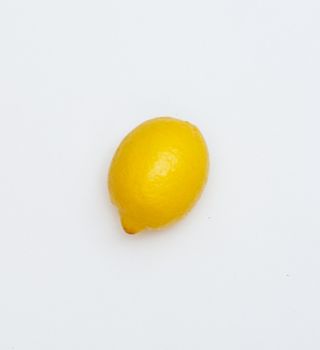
(242, 270)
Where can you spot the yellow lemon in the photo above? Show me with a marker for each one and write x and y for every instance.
(157, 173)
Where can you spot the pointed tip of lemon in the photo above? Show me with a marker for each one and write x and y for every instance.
(129, 226)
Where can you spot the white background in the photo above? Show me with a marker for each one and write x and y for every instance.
(242, 270)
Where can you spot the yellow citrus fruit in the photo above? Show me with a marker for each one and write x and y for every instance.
(157, 173)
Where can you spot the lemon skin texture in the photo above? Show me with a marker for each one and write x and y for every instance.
(158, 173)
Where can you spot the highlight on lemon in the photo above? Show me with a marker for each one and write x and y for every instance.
(158, 173)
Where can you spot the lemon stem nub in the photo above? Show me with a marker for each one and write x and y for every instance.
(130, 226)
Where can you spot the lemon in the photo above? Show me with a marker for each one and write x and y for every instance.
(157, 173)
